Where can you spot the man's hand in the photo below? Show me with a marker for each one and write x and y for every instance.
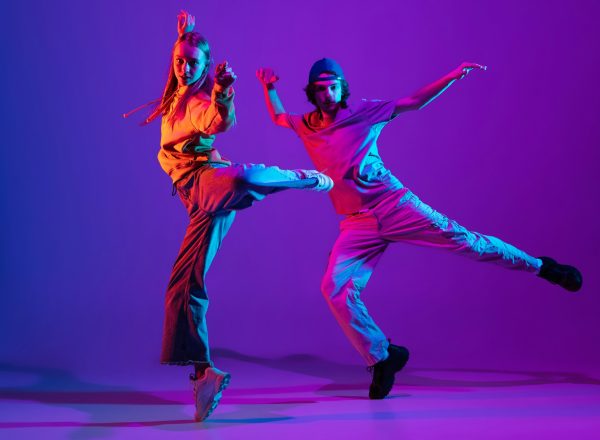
(463, 70)
(185, 22)
(266, 76)
(224, 75)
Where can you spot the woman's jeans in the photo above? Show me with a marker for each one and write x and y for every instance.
(211, 195)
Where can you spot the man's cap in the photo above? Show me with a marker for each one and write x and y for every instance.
(322, 66)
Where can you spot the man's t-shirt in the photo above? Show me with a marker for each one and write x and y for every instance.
(347, 152)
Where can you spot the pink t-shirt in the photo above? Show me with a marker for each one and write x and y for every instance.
(347, 152)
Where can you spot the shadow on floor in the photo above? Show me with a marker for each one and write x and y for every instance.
(349, 377)
(164, 409)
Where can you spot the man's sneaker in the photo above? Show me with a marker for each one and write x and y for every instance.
(207, 391)
(322, 181)
(384, 371)
(565, 276)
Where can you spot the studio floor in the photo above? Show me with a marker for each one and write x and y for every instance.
(301, 397)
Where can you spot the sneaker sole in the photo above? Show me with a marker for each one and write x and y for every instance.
(297, 184)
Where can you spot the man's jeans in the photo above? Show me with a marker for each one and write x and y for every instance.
(364, 236)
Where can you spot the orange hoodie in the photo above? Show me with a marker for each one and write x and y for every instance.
(187, 144)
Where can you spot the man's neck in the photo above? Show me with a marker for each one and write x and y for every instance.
(328, 117)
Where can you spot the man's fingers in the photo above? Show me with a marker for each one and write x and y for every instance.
(266, 75)
(474, 66)
(466, 67)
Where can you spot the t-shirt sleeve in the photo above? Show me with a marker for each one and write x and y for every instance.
(378, 111)
(214, 116)
(294, 121)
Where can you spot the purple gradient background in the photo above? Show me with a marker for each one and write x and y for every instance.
(90, 231)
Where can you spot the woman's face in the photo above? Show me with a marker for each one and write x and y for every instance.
(188, 63)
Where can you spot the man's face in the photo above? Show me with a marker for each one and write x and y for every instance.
(328, 93)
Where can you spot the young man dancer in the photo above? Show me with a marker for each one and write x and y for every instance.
(341, 139)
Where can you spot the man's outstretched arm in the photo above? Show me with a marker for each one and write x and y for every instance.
(268, 78)
(428, 93)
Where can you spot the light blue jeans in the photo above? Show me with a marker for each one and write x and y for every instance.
(363, 238)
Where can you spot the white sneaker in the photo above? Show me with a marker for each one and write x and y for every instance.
(207, 391)
(324, 182)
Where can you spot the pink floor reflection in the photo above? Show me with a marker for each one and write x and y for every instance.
(301, 397)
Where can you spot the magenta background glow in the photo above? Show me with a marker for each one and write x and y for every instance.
(90, 231)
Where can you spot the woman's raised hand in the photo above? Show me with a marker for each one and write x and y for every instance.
(185, 22)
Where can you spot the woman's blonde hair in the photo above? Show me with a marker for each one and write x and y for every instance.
(204, 83)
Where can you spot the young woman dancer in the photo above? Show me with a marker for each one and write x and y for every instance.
(378, 209)
(194, 108)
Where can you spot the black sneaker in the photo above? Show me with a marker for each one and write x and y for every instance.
(565, 276)
(384, 371)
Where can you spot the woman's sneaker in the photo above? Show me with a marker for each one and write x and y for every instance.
(384, 371)
(567, 277)
(207, 391)
(322, 181)
(303, 179)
